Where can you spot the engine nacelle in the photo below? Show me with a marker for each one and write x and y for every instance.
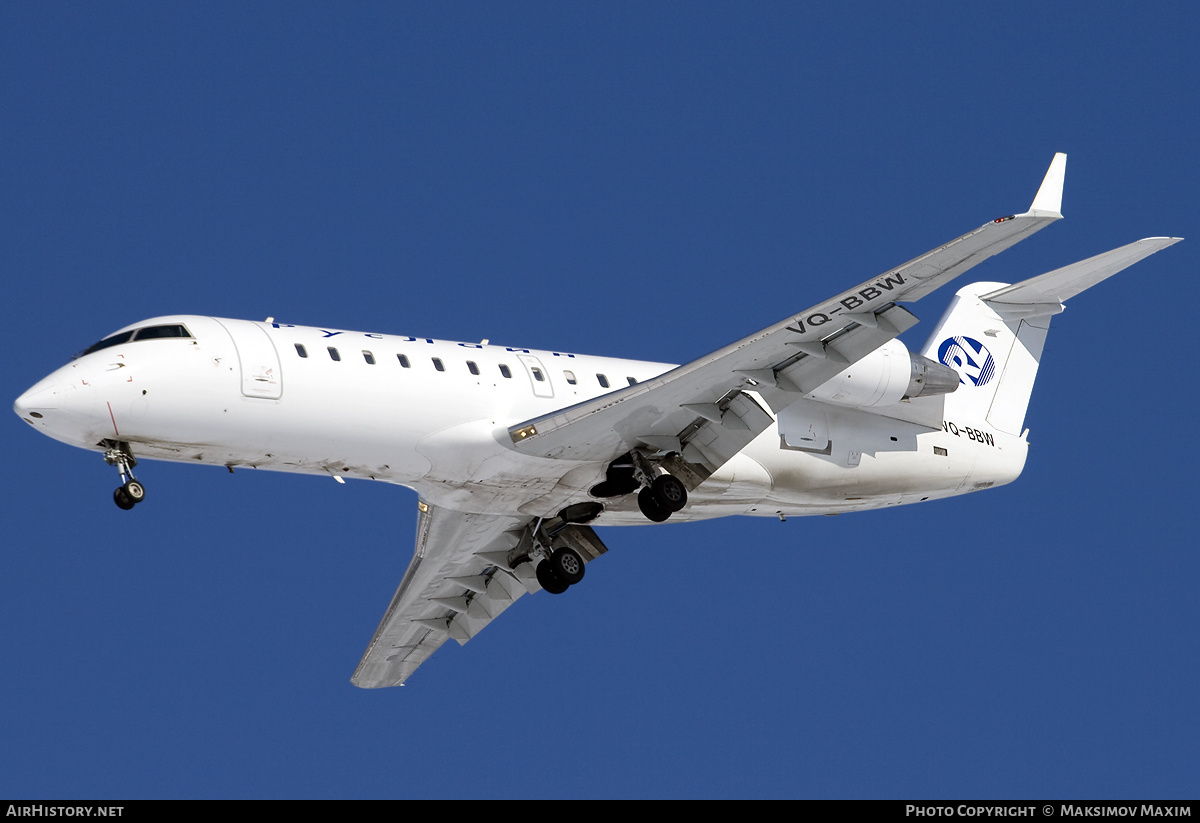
(887, 375)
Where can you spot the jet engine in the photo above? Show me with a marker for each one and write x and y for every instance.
(886, 376)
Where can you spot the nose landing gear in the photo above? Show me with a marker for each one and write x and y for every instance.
(129, 495)
(130, 492)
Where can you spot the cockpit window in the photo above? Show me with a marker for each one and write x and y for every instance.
(147, 333)
(151, 332)
(115, 340)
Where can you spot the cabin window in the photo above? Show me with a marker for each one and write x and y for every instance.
(472, 367)
(537, 374)
(333, 353)
(602, 380)
(632, 381)
(403, 360)
(300, 350)
(505, 370)
(370, 358)
(437, 364)
(570, 375)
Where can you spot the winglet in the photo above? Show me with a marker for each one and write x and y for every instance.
(1049, 196)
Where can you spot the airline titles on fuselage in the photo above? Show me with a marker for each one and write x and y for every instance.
(326, 334)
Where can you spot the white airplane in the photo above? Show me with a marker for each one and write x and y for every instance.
(515, 454)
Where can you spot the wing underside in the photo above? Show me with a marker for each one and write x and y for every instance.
(457, 582)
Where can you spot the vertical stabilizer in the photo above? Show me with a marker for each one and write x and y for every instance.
(996, 360)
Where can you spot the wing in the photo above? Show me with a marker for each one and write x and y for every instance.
(457, 582)
(703, 410)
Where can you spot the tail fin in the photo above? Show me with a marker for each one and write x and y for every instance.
(993, 334)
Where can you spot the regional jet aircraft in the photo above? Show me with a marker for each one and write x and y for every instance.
(517, 454)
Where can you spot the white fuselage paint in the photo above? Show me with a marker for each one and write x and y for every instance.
(257, 403)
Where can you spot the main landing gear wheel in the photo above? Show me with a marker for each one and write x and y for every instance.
(662, 498)
(567, 565)
(669, 492)
(548, 579)
(650, 506)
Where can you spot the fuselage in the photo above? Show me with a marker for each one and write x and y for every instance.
(434, 416)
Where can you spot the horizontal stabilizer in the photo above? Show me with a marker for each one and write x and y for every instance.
(1044, 295)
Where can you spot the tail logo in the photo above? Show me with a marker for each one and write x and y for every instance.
(969, 358)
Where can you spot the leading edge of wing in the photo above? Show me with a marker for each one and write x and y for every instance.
(657, 410)
(451, 589)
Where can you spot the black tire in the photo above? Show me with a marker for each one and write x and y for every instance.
(548, 580)
(135, 491)
(650, 507)
(121, 498)
(669, 493)
(568, 566)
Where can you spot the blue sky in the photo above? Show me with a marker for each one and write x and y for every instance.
(625, 179)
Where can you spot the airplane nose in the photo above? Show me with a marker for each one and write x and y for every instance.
(42, 397)
(62, 405)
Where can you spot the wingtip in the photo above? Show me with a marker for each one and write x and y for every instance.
(1159, 243)
(1049, 196)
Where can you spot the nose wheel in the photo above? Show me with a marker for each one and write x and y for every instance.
(130, 492)
(129, 495)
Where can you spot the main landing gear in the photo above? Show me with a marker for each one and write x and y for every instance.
(662, 498)
(559, 547)
(661, 495)
(561, 570)
(130, 492)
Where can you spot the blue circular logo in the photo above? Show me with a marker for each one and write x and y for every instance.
(969, 358)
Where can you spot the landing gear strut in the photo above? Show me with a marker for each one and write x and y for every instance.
(130, 492)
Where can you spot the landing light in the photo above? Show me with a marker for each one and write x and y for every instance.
(523, 432)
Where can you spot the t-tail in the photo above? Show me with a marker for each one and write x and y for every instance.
(993, 334)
